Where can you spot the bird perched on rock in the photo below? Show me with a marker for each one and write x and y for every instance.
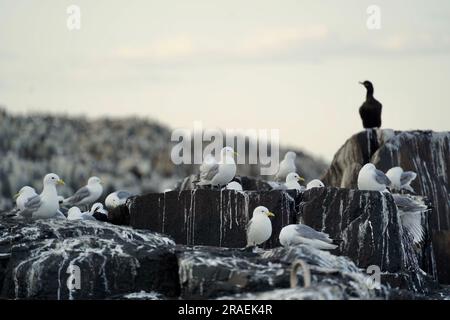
(292, 180)
(75, 213)
(401, 179)
(410, 211)
(44, 205)
(218, 173)
(24, 194)
(316, 183)
(372, 179)
(370, 111)
(259, 228)
(297, 234)
(87, 194)
(116, 199)
(287, 165)
(234, 185)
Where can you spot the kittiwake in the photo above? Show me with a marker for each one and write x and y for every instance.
(116, 199)
(292, 180)
(297, 234)
(87, 194)
(316, 183)
(401, 179)
(287, 165)
(259, 228)
(218, 173)
(369, 178)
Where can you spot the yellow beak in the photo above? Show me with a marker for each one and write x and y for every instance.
(301, 179)
(270, 214)
(16, 195)
(60, 182)
(235, 153)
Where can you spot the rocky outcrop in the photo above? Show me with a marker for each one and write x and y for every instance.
(424, 152)
(36, 259)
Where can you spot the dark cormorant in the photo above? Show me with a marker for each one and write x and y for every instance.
(370, 111)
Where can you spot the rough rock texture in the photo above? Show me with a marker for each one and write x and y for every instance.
(214, 218)
(425, 152)
(113, 260)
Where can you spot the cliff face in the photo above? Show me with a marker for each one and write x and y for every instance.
(425, 152)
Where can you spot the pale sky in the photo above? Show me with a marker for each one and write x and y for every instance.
(237, 64)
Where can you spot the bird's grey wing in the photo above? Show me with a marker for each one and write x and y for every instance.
(405, 203)
(305, 231)
(32, 205)
(381, 178)
(413, 223)
(209, 173)
(79, 195)
(123, 194)
(407, 177)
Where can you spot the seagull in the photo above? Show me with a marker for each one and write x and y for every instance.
(292, 180)
(287, 165)
(401, 179)
(75, 213)
(44, 205)
(24, 194)
(116, 199)
(316, 183)
(87, 194)
(370, 111)
(410, 212)
(259, 228)
(369, 178)
(297, 234)
(218, 173)
(233, 185)
(99, 212)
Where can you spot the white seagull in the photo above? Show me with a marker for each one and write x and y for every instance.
(316, 183)
(287, 165)
(401, 179)
(87, 194)
(297, 234)
(24, 194)
(75, 213)
(44, 205)
(233, 185)
(259, 228)
(410, 212)
(116, 199)
(369, 178)
(97, 208)
(218, 173)
(292, 180)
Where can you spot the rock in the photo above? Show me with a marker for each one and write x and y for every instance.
(425, 152)
(247, 183)
(213, 218)
(35, 257)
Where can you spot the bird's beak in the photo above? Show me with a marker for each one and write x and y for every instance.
(60, 182)
(301, 179)
(361, 82)
(270, 214)
(16, 195)
(235, 153)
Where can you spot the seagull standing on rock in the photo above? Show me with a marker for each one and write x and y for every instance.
(292, 180)
(87, 194)
(218, 173)
(259, 228)
(287, 165)
(401, 179)
(297, 234)
(410, 212)
(44, 205)
(75, 213)
(369, 178)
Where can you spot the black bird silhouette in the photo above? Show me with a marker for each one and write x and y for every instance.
(370, 111)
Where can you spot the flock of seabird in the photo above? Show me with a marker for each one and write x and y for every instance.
(220, 174)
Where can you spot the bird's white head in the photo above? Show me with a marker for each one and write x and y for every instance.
(261, 210)
(294, 177)
(368, 166)
(53, 179)
(316, 183)
(290, 155)
(25, 191)
(227, 151)
(94, 180)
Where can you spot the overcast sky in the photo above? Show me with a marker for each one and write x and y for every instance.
(292, 65)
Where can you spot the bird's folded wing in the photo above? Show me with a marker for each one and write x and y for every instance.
(208, 172)
(381, 178)
(405, 203)
(123, 194)
(32, 205)
(305, 231)
(407, 177)
(79, 195)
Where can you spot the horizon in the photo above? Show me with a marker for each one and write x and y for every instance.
(256, 65)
